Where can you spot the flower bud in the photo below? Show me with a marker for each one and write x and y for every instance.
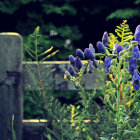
(119, 48)
(137, 34)
(71, 70)
(105, 39)
(80, 54)
(101, 48)
(85, 69)
(91, 48)
(107, 63)
(88, 54)
(95, 63)
(91, 67)
(72, 60)
(132, 65)
(136, 80)
(78, 63)
(67, 75)
(76, 84)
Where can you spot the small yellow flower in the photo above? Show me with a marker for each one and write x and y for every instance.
(111, 77)
(129, 103)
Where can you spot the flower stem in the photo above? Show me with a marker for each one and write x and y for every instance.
(39, 74)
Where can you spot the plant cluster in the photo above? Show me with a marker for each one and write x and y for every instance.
(40, 103)
(86, 119)
(122, 88)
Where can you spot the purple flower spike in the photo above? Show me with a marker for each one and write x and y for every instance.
(107, 63)
(71, 70)
(136, 52)
(88, 54)
(78, 63)
(85, 69)
(136, 80)
(91, 67)
(119, 48)
(136, 49)
(91, 48)
(101, 48)
(72, 60)
(137, 34)
(80, 54)
(105, 39)
(95, 63)
(132, 65)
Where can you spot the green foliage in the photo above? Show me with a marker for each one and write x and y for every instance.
(123, 32)
(137, 1)
(35, 50)
(123, 35)
(40, 13)
(13, 130)
(49, 9)
(120, 99)
(27, 1)
(9, 7)
(124, 14)
(72, 119)
(33, 105)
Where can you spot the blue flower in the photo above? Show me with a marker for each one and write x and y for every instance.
(72, 60)
(137, 34)
(132, 65)
(136, 80)
(85, 69)
(80, 54)
(107, 63)
(91, 48)
(119, 48)
(105, 39)
(88, 54)
(67, 75)
(71, 70)
(91, 67)
(101, 48)
(136, 52)
(95, 63)
(136, 49)
(78, 63)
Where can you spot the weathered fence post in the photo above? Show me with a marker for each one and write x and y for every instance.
(10, 85)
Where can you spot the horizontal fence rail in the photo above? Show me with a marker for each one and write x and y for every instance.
(56, 78)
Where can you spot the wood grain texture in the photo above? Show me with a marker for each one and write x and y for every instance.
(10, 85)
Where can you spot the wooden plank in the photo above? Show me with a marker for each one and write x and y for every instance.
(10, 85)
(56, 78)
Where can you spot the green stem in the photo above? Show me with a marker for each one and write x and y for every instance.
(110, 55)
(118, 113)
(39, 73)
(118, 99)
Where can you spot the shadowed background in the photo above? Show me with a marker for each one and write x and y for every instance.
(67, 24)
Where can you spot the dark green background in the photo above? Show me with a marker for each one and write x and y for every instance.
(67, 24)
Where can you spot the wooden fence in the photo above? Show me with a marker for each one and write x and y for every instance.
(14, 76)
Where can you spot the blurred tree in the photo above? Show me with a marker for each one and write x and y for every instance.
(66, 24)
(127, 12)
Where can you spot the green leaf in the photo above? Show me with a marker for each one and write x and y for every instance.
(47, 51)
(103, 138)
(50, 55)
(127, 13)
